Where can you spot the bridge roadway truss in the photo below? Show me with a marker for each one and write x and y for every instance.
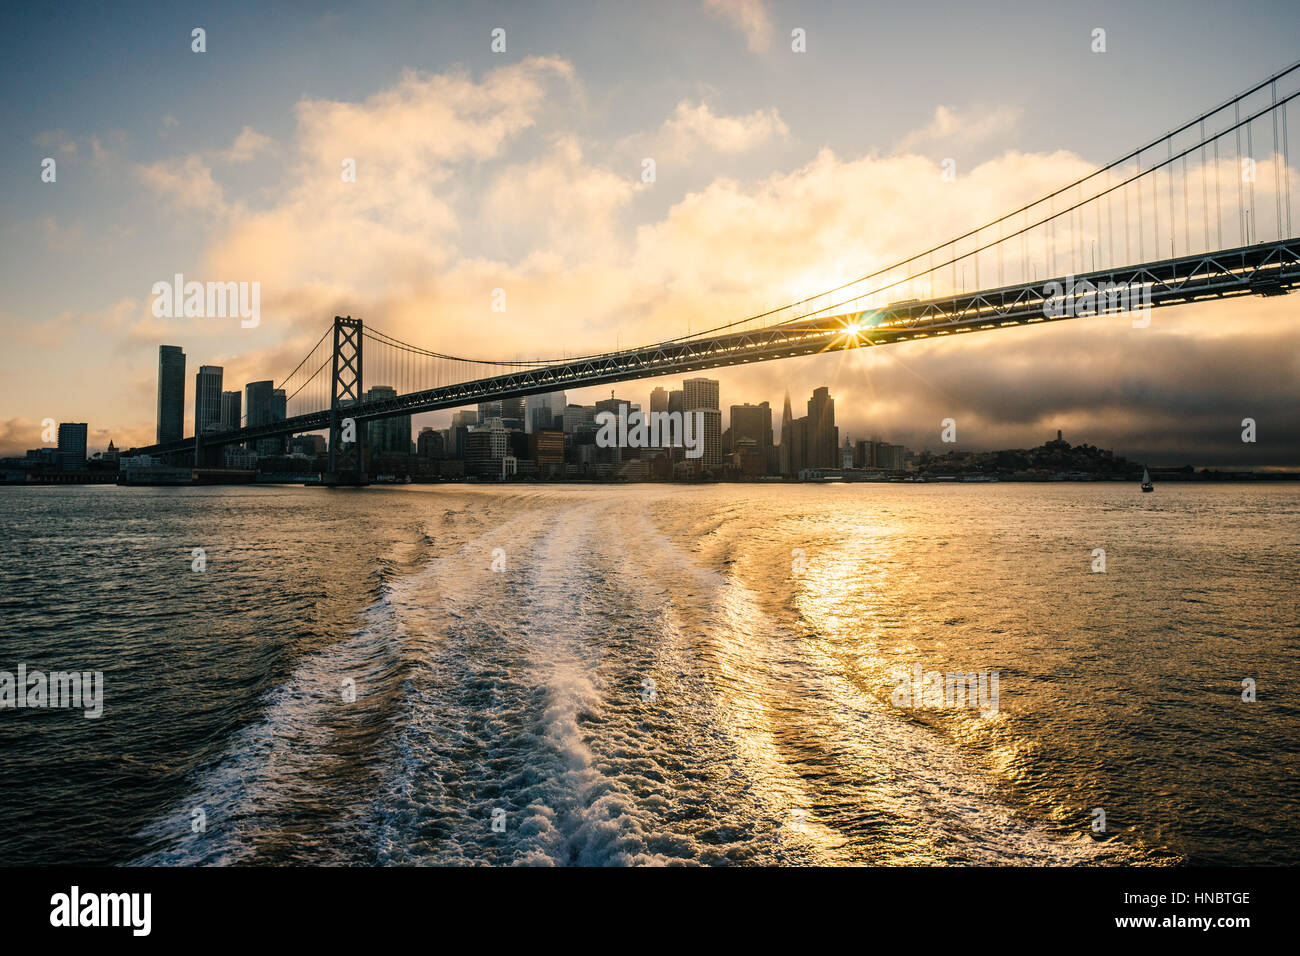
(1266, 268)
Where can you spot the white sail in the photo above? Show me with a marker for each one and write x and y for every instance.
(1146, 478)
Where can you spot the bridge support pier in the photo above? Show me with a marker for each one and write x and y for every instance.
(208, 455)
(347, 442)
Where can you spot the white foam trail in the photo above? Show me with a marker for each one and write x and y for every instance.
(273, 764)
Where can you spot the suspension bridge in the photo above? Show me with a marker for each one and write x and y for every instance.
(1202, 212)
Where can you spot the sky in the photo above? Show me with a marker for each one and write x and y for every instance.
(777, 174)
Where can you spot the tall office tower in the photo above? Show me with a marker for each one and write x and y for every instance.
(752, 422)
(545, 411)
(464, 419)
(546, 448)
(512, 410)
(675, 400)
(231, 410)
(457, 441)
(488, 411)
(784, 459)
(171, 393)
(485, 447)
(620, 408)
(799, 445)
(388, 436)
(557, 402)
(659, 406)
(277, 412)
(207, 399)
(257, 402)
(578, 416)
(891, 457)
(822, 436)
(72, 446)
(430, 444)
(701, 395)
(257, 407)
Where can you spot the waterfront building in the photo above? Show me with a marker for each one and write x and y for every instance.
(207, 399)
(171, 393)
(72, 446)
(701, 395)
(231, 410)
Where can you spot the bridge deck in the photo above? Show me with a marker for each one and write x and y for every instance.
(1269, 268)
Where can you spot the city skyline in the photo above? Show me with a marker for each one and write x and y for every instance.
(823, 452)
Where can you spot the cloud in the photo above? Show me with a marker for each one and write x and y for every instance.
(952, 130)
(17, 435)
(1174, 393)
(58, 331)
(395, 227)
(560, 205)
(694, 126)
(748, 16)
(247, 145)
(185, 184)
(61, 238)
(58, 142)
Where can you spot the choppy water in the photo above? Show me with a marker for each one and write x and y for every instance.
(659, 674)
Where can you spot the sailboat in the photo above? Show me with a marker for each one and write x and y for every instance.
(1146, 480)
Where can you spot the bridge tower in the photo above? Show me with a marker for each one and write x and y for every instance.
(347, 460)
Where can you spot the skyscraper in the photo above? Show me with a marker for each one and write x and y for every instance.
(231, 410)
(429, 445)
(388, 436)
(171, 393)
(750, 432)
(785, 457)
(752, 422)
(259, 400)
(512, 412)
(207, 399)
(544, 410)
(72, 446)
(659, 400)
(822, 436)
(701, 395)
(577, 417)
(279, 411)
(486, 446)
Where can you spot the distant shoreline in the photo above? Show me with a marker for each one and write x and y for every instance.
(1192, 479)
